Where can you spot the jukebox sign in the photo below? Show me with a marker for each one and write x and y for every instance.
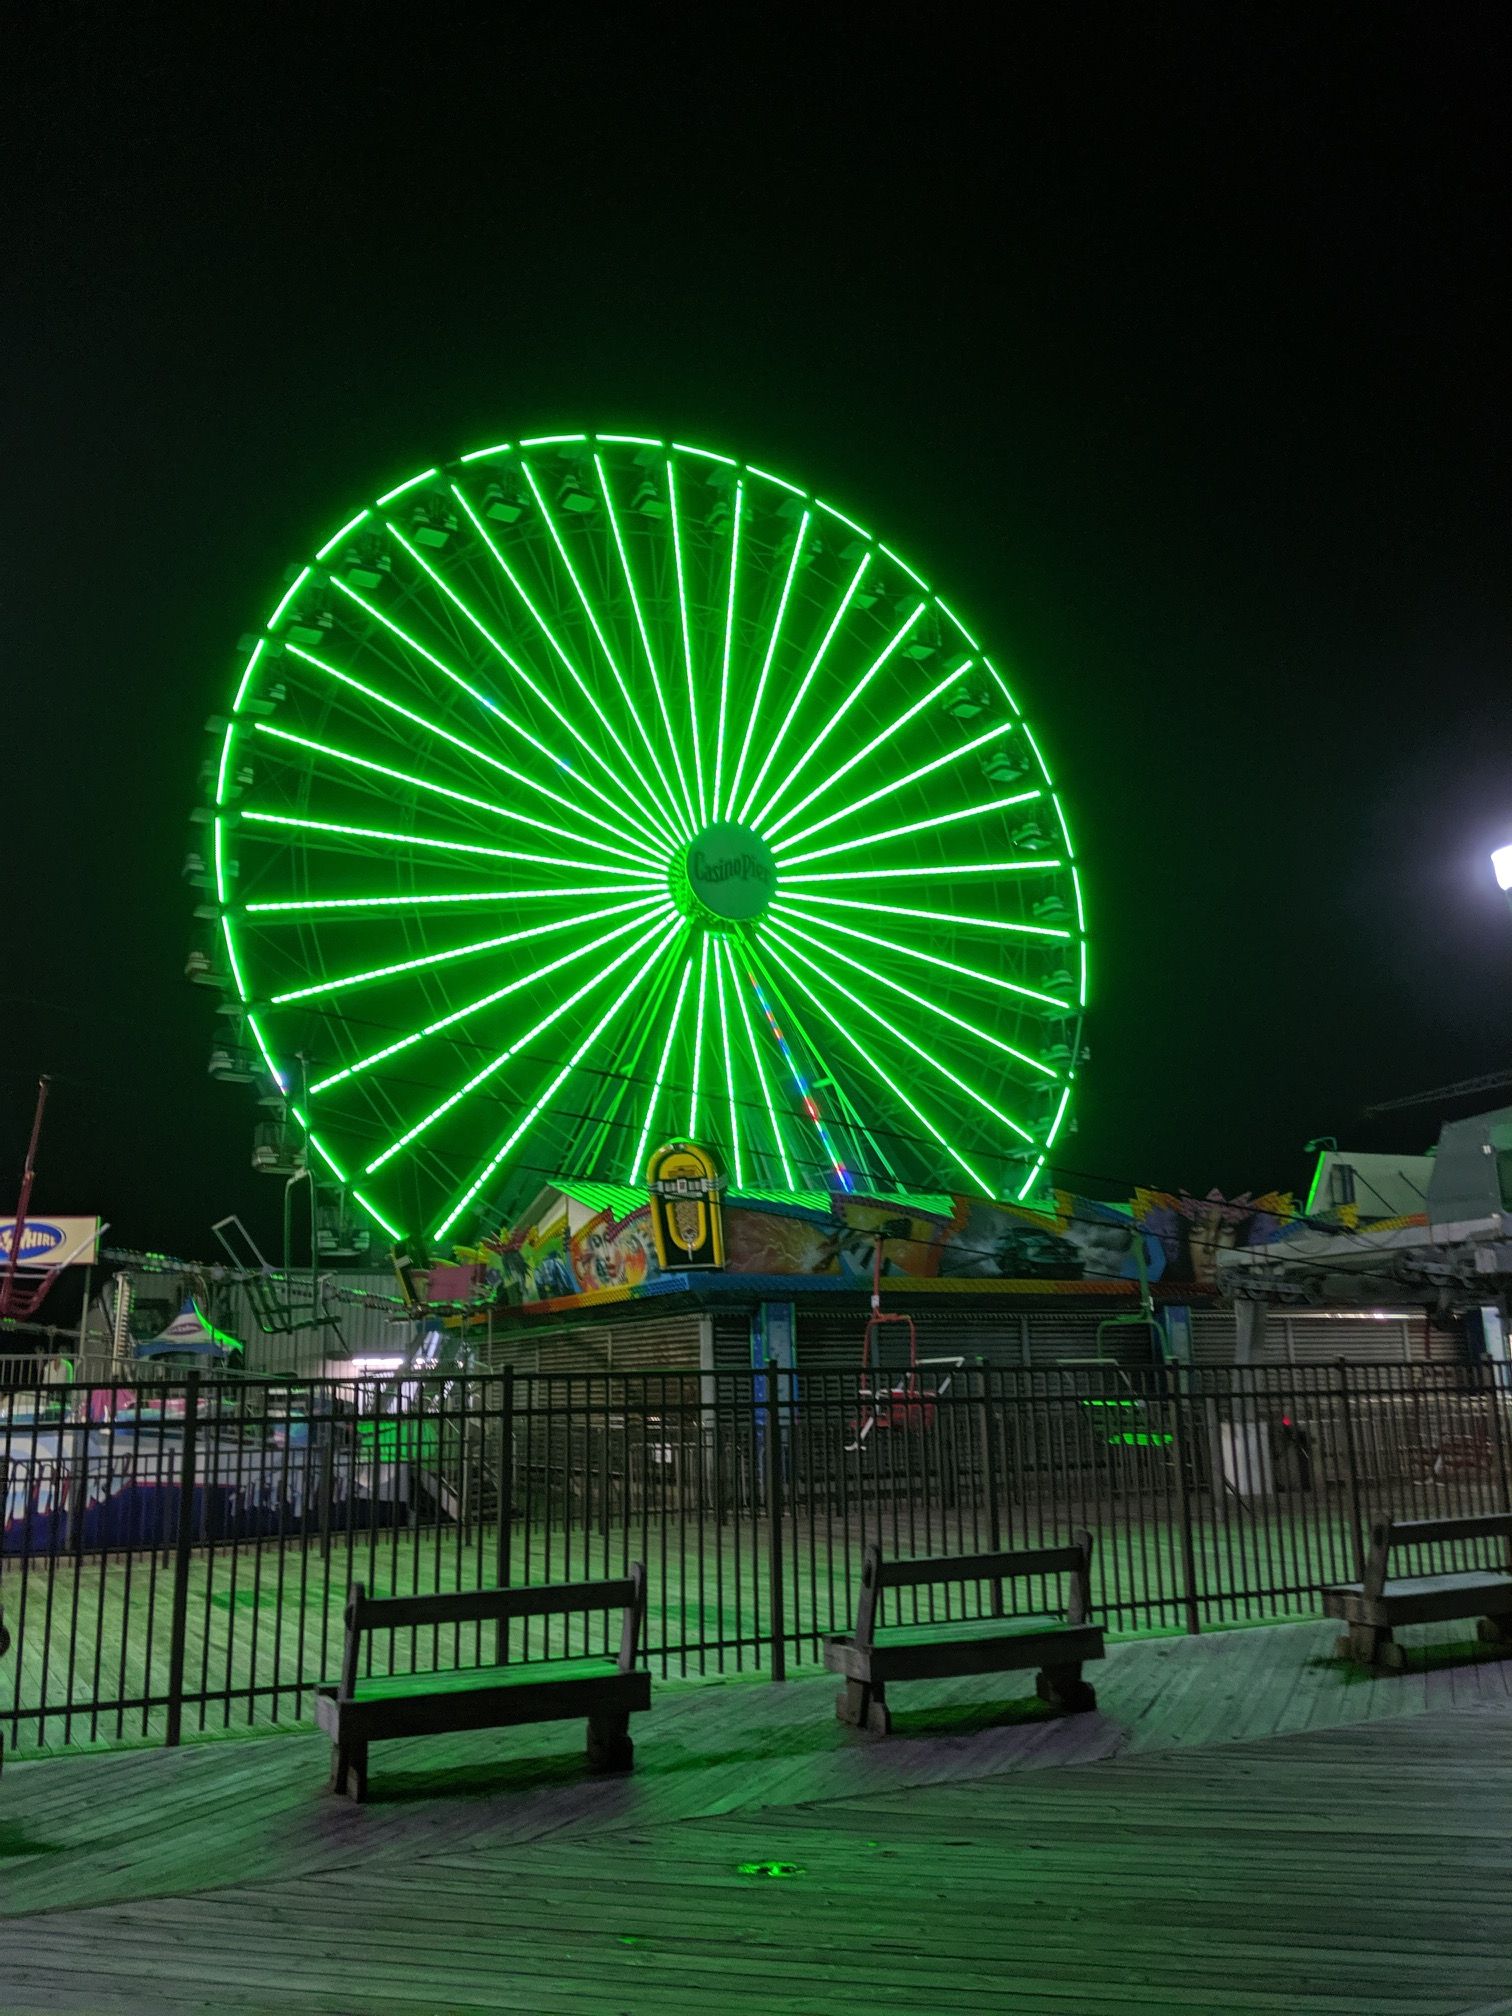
(686, 1219)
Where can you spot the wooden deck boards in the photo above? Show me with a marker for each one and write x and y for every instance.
(1172, 1853)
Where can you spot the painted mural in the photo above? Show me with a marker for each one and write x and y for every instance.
(586, 1240)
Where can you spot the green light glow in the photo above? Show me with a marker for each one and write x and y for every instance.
(1032, 1179)
(442, 791)
(1060, 1114)
(913, 776)
(551, 440)
(620, 801)
(630, 440)
(781, 481)
(724, 667)
(220, 864)
(908, 1042)
(839, 714)
(898, 561)
(561, 1078)
(688, 824)
(316, 1143)
(922, 1001)
(411, 902)
(1044, 767)
(1060, 813)
(904, 874)
(288, 596)
(915, 826)
(893, 727)
(708, 454)
(682, 606)
(698, 1030)
(952, 618)
(377, 1216)
(614, 878)
(849, 523)
(424, 961)
(246, 679)
(1081, 920)
(492, 1068)
(336, 538)
(1082, 993)
(482, 1001)
(225, 759)
(410, 483)
(637, 1169)
(807, 681)
(929, 958)
(232, 960)
(729, 1057)
(761, 1076)
(261, 1041)
(470, 749)
(935, 916)
(850, 1037)
(766, 663)
(648, 796)
(482, 454)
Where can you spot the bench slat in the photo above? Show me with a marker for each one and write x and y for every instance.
(470, 1606)
(1434, 1532)
(934, 1656)
(498, 1706)
(980, 1567)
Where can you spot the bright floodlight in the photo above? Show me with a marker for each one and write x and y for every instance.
(1501, 861)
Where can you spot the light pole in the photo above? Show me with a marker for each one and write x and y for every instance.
(1501, 861)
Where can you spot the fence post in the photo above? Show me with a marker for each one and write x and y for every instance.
(1179, 1441)
(504, 1492)
(990, 1479)
(776, 1619)
(181, 1561)
(1356, 1515)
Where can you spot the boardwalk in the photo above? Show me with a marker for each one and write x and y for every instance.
(1241, 1827)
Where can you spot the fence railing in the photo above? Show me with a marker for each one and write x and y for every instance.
(177, 1552)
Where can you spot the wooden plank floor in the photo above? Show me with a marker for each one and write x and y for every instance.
(1240, 1828)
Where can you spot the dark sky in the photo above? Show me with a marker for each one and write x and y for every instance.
(1168, 340)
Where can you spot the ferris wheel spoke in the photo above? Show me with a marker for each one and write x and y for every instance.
(766, 663)
(294, 906)
(927, 958)
(951, 756)
(919, 1049)
(698, 1033)
(885, 1078)
(424, 961)
(729, 1059)
(687, 640)
(482, 1001)
(610, 878)
(935, 916)
(656, 679)
(638, 1160)
(759, 955)
(914, 826)
(929, 871)
(366, 763)
(621, 803)
(469, 749)
(761, 1077)
(496, 1064)
(724, 669)
(858, 687)
(612, 662)
(895, 727)
(555, 1086)
(807, 681)
(569, 663)
(932, 1007)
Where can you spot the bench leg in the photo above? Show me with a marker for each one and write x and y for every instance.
(1064, 1687)
(1372, 1645)
(1496, 1631)
(349, 1769)
(609, 1744)
(862, 1704)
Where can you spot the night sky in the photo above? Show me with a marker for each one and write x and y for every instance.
(1166, 342)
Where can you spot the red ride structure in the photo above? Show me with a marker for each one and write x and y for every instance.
(17, 1299)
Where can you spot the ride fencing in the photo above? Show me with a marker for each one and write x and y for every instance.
(177, 1552)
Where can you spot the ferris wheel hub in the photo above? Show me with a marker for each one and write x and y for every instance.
(724, 875)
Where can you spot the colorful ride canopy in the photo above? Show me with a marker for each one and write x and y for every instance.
(592, 789)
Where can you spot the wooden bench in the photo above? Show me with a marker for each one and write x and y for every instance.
(876, 1653)
(606, 1690)
(1374, 1607)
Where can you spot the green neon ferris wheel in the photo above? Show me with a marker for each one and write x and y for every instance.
(590, 790)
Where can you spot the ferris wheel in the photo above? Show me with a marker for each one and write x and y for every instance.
(589, 790)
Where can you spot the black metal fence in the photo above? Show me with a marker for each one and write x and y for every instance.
(177, 1553)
